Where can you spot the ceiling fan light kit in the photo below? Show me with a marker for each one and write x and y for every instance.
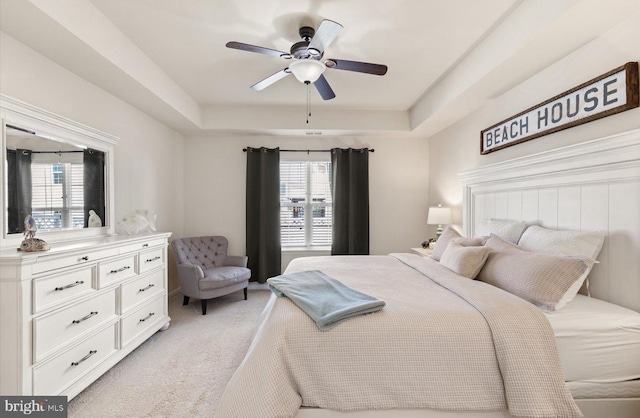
(307, 70)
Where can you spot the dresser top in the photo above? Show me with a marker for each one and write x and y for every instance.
(66, 247)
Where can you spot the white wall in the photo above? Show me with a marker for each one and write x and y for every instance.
(149, 158)
(215, 173)
(457, 148)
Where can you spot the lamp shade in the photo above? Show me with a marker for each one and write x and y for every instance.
(307, 70)
(439, 215)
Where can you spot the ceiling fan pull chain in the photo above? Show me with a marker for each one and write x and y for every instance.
(308, 100)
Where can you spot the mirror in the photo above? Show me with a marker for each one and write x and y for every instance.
(61, 185)
(56, 169)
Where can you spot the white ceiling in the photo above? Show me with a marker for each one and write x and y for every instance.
(169, 59)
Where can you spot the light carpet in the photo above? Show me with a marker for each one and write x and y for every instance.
(181, 372)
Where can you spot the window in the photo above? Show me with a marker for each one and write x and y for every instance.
(56, 170)
(305, 189)
(57, 195)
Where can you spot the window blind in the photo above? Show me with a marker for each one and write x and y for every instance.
(305, 203)
(57, 195)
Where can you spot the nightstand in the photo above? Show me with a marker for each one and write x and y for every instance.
(425, 252)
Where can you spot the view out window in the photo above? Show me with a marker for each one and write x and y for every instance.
(305, 203)
(57, 195)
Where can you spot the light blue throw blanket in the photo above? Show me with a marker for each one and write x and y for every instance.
(326, 300)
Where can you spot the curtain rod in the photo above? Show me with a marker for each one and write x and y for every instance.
(306, 150)
(26, 152)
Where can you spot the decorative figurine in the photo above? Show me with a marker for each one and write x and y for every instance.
(94, 220)
(30, 242)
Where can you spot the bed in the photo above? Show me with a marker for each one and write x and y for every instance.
(477, 350)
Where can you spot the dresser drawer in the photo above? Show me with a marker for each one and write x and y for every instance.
(142, 319)
(57, 328)
(143, 245)
(116, 270)
(46, 263)
(140, 289)
(150, 259)
(55, 289)
(55, 375)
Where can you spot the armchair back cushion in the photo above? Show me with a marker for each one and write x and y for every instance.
(207, 252)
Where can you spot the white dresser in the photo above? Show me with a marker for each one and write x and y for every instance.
(69, 314)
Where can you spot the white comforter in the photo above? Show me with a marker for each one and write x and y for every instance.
(441, 342)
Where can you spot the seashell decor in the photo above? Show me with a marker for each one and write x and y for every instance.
(137, 221)
(30, 242)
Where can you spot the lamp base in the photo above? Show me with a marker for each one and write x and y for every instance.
(438, 232)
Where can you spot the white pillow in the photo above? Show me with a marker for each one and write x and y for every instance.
(507, 230)
(543, 240)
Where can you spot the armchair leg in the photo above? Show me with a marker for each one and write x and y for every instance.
(204, 306)
(245, 293)
(185, 301)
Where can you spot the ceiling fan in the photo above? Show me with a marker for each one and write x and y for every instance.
(306, 55)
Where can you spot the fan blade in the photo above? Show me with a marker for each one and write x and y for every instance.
(360, 67)
(327, 32)
(324, 88)
(271, 79)
(258, 49)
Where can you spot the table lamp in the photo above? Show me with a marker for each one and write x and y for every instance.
(439, 215)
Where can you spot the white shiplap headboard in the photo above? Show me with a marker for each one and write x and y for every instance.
(593, 185)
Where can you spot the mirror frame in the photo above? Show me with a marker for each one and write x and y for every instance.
(49, 125)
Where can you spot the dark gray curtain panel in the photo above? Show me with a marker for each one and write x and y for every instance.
(350, 191)
(263, 213)
(93, 181)
(18, 189)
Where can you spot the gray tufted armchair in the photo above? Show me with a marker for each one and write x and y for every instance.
(206, 271)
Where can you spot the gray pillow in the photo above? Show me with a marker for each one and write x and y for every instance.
(542, 279)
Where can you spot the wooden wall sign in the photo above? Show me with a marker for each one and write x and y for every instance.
(613, 92)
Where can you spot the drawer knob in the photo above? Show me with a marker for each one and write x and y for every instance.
(145, 245)
(146, 288)
(77, 321)
(147, 317)
(85, 258)
(79, 282)
(92, 352)
(153, 259)
(121, 269)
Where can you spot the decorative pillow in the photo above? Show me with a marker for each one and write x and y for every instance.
(507, 230)
(448, 235)
(543, 240)
(542, 279)
(471, 242)
(465, 261)
(500, 243)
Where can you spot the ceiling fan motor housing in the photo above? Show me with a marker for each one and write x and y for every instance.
(306, 33)
(301, 50)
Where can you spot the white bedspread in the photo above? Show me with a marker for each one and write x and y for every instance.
(428, 348)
